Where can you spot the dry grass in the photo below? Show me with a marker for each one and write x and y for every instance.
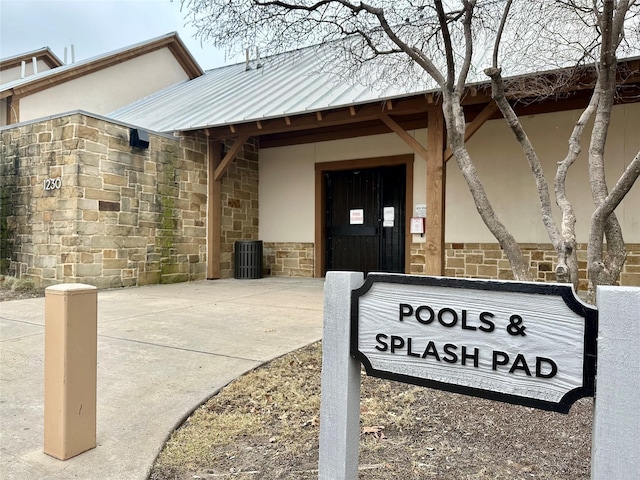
(12, 288)
(265, 425)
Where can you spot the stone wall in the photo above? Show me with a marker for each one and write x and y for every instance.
(239, 202)
(122, 216)
(288, 259)
(487, 260)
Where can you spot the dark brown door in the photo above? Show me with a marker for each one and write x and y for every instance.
(365, 219)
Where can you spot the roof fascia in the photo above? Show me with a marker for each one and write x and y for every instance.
(184, 57)
(45, 54)
(172, 41)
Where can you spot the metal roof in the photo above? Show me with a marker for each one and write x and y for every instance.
(289, 84)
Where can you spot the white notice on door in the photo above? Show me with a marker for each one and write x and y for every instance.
(356, 216)
(388, 214)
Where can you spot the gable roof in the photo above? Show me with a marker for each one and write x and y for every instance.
(61, 74)
(290, 84)
(45, 54)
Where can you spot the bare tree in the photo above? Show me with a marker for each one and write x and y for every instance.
(442, 43)
(607, 20)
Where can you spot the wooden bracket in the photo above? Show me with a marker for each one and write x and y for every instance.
(228, 158)
(486, 113)
(402, 133)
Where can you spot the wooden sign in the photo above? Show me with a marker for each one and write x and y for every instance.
(530, 344)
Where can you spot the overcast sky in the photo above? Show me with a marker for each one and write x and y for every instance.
(95, 27)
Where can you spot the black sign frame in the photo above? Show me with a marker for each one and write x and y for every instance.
(565, 291)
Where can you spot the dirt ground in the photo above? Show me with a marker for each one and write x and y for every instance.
(13, 289)
(265, 425)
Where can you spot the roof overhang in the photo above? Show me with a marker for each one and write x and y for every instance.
(45, 54)
(411, 111)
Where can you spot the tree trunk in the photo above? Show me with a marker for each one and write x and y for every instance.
(598, 270)
(604, 270)
(455, 122)
(565, 244)
(567, 269)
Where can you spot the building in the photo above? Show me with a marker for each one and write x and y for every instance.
(44, 86)
(27, 64)
(327, 175)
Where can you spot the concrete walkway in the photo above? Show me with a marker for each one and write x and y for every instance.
(162, 350)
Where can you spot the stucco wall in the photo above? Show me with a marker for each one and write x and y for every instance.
(106, 90)
(510, 185)
(122, 216)
(287, 214)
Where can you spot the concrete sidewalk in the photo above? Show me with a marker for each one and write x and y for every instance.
(162, 350)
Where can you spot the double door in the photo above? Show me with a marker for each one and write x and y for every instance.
(365, 219)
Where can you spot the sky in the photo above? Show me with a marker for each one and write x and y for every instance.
(95, 27)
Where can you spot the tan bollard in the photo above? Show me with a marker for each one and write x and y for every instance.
(70, 365)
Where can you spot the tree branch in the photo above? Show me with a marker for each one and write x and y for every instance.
(503, 22)
(497, 93)
(567, 269)
(468, 43)
(448, 46)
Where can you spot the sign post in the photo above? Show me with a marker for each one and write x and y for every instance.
(616, 422)
(531, 344)
(340, 383)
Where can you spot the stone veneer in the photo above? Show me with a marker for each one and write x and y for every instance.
(288, 259)
(123, 216)
(487, 260)
(126, 216)
(239, 203)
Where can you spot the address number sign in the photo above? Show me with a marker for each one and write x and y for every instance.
(53, 183)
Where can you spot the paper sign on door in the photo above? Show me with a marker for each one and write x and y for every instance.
(356, 216)
(388, 216)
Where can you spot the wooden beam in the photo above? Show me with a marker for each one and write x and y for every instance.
(320, 211)
(259, 125)
(436, 182)
(486, 113)
(13, 110)
(402, 133)
(232, 128)
(228, 158)
(214, 211)
(308, 121)
(319, 116)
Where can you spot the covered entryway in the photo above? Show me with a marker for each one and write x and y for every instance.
(362, 213)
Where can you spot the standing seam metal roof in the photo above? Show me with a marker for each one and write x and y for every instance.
(288, 84)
